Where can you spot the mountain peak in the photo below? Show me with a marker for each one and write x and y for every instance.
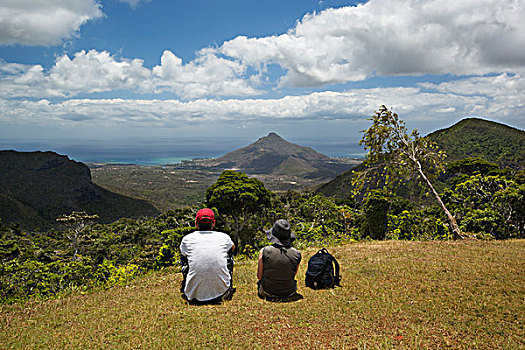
(272, 154)
(272, 137)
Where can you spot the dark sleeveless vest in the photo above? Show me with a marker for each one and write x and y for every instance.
(279, 266)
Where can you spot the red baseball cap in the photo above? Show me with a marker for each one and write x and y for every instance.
(205, 215)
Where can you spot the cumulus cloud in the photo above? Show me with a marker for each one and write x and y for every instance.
(482, 42)
(95, 72)
(87, 72)
(207, 75)
(44, 22)
(393, 37)
(503, 93)
(380, 37)
(445, 104)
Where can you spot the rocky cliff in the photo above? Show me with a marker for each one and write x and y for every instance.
(37, 187)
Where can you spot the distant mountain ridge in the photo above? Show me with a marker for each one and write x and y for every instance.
(471, 137)
(37, 187)
(274, 155)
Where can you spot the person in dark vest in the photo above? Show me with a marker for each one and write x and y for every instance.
(278, 264)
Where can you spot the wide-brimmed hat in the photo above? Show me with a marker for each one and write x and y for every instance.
(281, 233)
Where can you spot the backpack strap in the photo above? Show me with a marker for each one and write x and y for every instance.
(337, 276)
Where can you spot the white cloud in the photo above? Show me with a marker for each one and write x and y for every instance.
(44, 22)
(87, 72)
(207, 75)
(393, 37)
(442, 106)
(134, 3)
(503, 93)
(381, 37)
(95, 72)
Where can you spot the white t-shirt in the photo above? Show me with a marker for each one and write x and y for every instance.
(207, 252)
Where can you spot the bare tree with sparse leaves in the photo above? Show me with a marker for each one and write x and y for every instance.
(76, 223)
(406, 155)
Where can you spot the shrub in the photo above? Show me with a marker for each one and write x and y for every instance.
(22, 280)
(113, 275)
(417, 224)
(484, 221)
(167, 256)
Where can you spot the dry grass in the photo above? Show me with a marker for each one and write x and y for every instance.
(395, 294)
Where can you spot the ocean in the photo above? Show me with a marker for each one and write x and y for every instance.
(160, 151)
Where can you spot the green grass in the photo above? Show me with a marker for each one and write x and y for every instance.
(395, 295)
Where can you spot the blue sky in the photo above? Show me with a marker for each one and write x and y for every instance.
(312, 71)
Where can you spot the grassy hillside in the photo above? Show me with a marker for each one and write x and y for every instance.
(395, 294)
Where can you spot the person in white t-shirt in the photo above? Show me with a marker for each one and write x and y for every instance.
(207, 262)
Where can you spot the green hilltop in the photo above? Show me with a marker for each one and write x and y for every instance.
(471, 137)
(394, 295)
(491, 141)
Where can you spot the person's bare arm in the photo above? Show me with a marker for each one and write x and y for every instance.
(297, 269)
(260, 266)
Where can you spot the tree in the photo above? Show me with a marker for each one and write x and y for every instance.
(238, 196)
(471, 166)
(492, 204)
(405, 155)
(376, 206)
(76, 223)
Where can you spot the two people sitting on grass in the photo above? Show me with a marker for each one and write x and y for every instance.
(207, 262)
(278, 264)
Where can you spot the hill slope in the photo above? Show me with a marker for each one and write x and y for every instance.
(274, 155)
(471, 137)
(36, 187)
(394, 295)
(474, 137)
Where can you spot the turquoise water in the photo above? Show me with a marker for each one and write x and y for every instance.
(158, 151)
(137, 161)
(140, 152)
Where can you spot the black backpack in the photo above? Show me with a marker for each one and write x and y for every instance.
(320, 273)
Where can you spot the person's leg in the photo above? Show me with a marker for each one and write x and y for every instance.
(261, 293)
